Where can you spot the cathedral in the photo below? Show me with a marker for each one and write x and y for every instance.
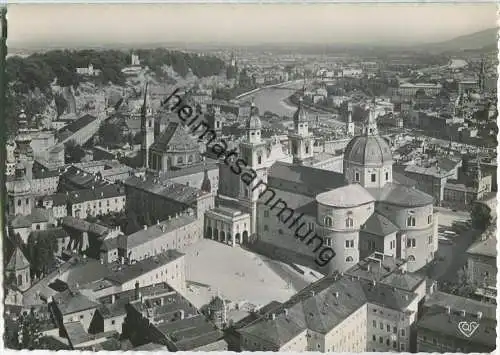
(354, 213)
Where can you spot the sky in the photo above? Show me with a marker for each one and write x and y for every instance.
(244, 23)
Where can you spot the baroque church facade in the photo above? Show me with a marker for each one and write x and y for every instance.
(357, 212)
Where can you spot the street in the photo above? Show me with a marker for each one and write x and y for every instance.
(452, 257)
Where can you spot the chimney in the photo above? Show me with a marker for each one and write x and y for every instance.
(336, 295)
(462, 312)
(145, 227)
(273, 316)
(102, 261)
(369, 268)
(448, 310)
(162, 301)
(113, 298)
(313, 293)
(158, 222)
(181, 314)
(286, 312)
(479, 315)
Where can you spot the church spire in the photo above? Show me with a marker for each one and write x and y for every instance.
(206, 185)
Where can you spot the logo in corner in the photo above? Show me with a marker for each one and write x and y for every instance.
(468, 328)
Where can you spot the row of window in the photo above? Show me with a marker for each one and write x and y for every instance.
(388, 327)
(373, 177)
(411, 221)
(349, 222)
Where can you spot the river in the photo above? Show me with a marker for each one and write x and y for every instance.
(272, 100)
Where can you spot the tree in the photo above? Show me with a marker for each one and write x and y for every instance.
(29, 330)
(480, 216)
(74, 152)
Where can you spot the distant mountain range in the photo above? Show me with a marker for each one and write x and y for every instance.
(486, 39)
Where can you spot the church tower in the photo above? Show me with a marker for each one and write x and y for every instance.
(18, 269)
(300, 139)
(147, 127)
(23, 152)
(349, 123)
(20, 199)
(254, 151)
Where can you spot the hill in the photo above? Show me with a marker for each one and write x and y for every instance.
(474, 41)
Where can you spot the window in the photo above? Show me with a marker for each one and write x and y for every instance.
(266, 213)
(411, 242)
(27, 201)
(434, 341)
(380, 340)
(81, 316)
(394, 345)
(395, 330)
(113, 322)
(429, 239)
(429, 219)
(246, 193)
(388, 328)
(37, 227)
(374, 324)
(402, 332)
(280, 231)
(374, 338)
(311, 226)
(356, 176)
(349, 222)
(374, 177)
(381, 325)
(387, 342)
(328, 221)
(19, 202)
(393, 244)
(403, 347)
(410, 221)
(307, 150)
(180, 160)
(371, 245)
(349, 243)
(349, 259)
(259, 160)
(328, 242)
(266, 228)
(386, 176)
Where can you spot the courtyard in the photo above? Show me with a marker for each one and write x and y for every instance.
(238, 275)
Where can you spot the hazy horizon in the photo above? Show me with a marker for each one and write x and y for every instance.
(245, 24)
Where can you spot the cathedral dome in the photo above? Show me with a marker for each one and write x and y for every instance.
(254, 120)
(368, 150)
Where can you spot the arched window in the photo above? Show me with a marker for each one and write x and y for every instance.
(349, 259)
(37, 227)
(180, 160)
(307, 150)
(328, 221)
(27, 201)
(19, 202)
(410, 221)
(411, 258)
(19, 280)
(349, 222)
(259, 159)
(356, 176)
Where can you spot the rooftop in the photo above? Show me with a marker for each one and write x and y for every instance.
(379, 225)
(38, 215)
(94, 194)
(351, 195)
(159, 230)
(169, 190)
(486, 245)
(70, 302)
(401, 195)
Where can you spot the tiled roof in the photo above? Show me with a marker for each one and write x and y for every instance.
(17, 261)
(70, 302)
(83, 226)
(317, 180)
(98, 193)
(351, 195)
(487, 245)
(437, 320)
(175, 137)
(158, 230)
(169, 190)
(38, 215)
(323, 305)
(401, 195)
(58, 199)
(455, 302)
(78, 124)
(209, 164)
(379, 225)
